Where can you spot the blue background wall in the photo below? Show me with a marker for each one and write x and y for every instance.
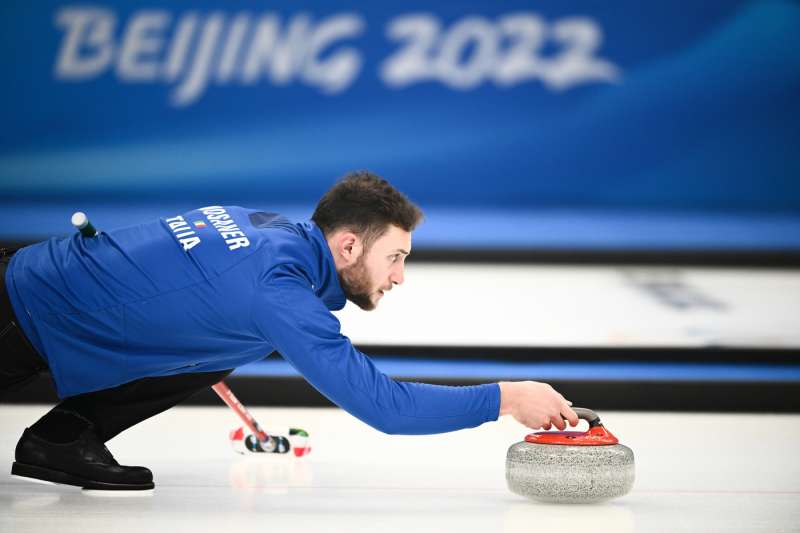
(677, 126)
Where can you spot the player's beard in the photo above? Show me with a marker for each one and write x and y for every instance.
(356, 283)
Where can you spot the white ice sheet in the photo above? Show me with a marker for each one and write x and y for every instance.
(695, 472)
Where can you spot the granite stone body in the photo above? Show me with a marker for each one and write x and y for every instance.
(569, 474)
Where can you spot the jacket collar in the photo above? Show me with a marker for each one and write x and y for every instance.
(328, 288)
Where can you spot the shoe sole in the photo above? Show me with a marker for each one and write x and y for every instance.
(55, 476)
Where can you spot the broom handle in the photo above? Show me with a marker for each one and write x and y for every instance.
(224, 392)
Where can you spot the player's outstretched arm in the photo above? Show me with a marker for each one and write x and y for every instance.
(297, 324)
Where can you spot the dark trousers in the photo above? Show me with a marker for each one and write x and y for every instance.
(111, 411)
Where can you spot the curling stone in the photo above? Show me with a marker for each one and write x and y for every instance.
(571, 466)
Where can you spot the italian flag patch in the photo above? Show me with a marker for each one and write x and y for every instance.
(199, 224)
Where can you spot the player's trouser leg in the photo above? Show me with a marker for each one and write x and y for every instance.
(114, 410)
(19, 361)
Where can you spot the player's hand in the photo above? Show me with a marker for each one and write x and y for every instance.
(535, 405)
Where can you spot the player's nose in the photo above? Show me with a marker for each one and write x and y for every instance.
(397, 276)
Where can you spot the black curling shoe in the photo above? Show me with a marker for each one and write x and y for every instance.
(84, 462)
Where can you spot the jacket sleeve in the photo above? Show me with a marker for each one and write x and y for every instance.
(297, 323)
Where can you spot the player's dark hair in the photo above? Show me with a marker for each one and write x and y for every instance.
(366, 204)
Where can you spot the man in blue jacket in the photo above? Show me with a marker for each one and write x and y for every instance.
(134, 321)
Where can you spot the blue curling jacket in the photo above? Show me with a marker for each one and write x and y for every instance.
(208, 290)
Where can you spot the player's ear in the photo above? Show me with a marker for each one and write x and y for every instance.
(349, 246)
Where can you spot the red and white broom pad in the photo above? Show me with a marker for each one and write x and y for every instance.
(297, 441)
